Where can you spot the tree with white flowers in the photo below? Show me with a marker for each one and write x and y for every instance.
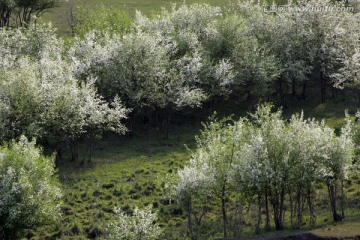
(161, 65)
(30, 192)
(139, 226)
(268, 158)
(41, 97)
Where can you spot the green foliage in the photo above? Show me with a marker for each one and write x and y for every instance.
(30, 192)
(23, 11)
(100, 19)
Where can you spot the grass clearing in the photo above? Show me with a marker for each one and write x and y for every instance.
(60, 16)
(132, 171)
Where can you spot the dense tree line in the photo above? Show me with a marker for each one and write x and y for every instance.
(177, 60)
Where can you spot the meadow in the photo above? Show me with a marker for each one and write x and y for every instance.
(60, 16)
(136, 170)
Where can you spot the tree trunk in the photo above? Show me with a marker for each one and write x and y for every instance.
(167, 122)
(292, 210)
(299, 208)
(281, 92)
(74, 146)
(311, 207)
(257, 228)
(278, 205)
(332, 198)
(190, 224)
(267, 220)
(304, 90)
(342, 200)
(223, 209)
(90, 150)
(322, 87)
(238, 218)
(58, 153)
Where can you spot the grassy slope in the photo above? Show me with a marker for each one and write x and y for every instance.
(59, 16)
(131, 171)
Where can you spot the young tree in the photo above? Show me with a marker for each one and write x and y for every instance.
(336, 165)
(30, 192)
(192, 183)
(139, 226)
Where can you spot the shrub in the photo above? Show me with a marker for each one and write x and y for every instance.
(29, 191)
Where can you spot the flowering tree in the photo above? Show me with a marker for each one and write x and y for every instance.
(211, 168)
(266, 157)
(139, 226)
(30, 192)
(161, 65)
(304, 42)
(41, 96)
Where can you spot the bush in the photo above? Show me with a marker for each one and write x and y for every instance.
(139, 226)
(29, 191)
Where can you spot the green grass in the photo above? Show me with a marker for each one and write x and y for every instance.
(60, 16)
(125, 172)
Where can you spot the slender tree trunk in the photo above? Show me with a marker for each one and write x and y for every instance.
(299, 208)
(342, 200)
(238, 218)
(257, 228)
(223, 209)
(190, 224)
(58, 153)
(267, 219)
(292, 210)
(322, 87)
(311, 207)
(281, 91)
(278, 205)
(90, 149)
(168, 120)
(74, 144)
(332, 198)
(282, 210)
(304, 90)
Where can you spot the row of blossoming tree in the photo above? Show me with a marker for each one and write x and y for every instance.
(177, 60)
(268, 160)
